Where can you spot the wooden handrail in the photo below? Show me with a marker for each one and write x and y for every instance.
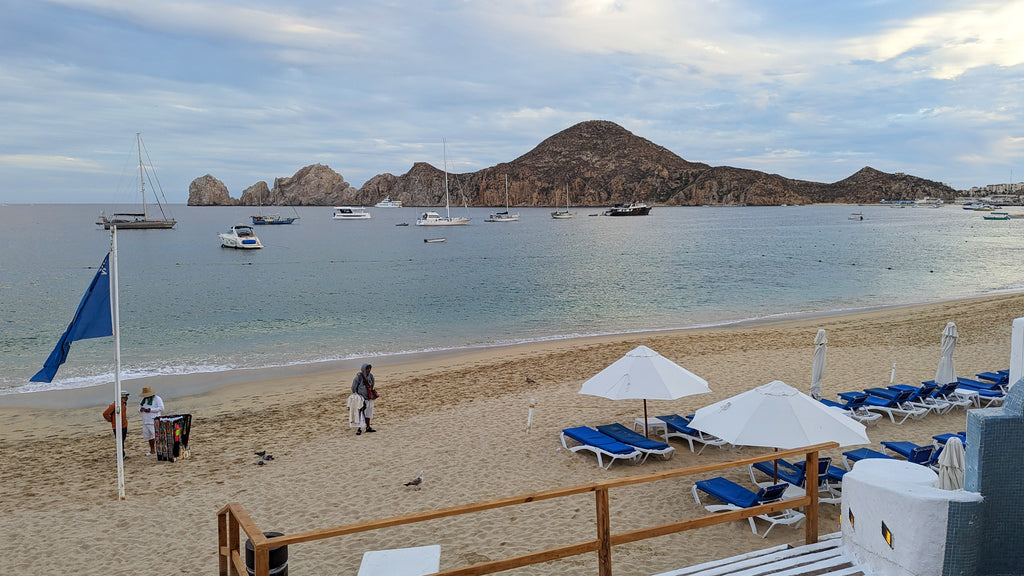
(233, 518)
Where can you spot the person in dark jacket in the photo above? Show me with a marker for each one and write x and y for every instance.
(363, 385)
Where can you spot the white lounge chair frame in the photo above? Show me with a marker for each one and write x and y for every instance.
(633, 456)
(907, 409)
(788, 517)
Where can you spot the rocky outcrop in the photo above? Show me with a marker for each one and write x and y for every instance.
(209, 191)
(256, 194)
(600, 163)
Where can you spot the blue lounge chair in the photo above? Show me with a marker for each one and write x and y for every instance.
(914, 453)
(941, 439)
(736, 497)
(677, 426)
(853, 406)
(638, 441)
(923, 396)
(893, 402)
(997, 378)
(978, 384)
(859, 454)
(794, 473)
(980, 394)
(600, 444)
(947, 393)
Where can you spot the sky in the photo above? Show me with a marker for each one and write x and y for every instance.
(255, 90)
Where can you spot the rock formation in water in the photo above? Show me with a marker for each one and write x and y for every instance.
(209, 191)
(600, 163)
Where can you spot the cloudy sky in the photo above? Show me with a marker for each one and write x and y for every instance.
(253, 90)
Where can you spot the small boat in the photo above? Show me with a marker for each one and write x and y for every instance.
(388, 203)
(433, 240)
(631, 209)
(262, 219)
(140, 220)
(563, 214)
(402, 224)
(996, 215)
(856, 216)
(240, 236)
(503, 216)
(350, 213)
(431, 218)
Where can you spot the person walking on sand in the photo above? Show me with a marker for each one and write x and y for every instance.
(108, 415)
(151, 406)
(363, 385)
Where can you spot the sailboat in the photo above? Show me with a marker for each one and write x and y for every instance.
(271, 218)
(503, 216)
(140, 220)
(563, 214)
(431, 218)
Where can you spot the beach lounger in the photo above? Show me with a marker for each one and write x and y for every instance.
(736, 497)
(914, 453)
(978, 384)
(794, 473)
(638, 441)
(979, 397)
(677, 426)
(941, 439)
(853, 406)
(853, 456)
(923, 396)
(997, 378)
(947, 393)
(601, 445)
(893, 403)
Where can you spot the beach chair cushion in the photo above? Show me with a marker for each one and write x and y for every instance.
(732, 493)
(600, 444)
(627, 436)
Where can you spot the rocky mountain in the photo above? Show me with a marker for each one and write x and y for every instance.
(599, 162)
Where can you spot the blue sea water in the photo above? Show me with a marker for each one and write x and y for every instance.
(326, 290)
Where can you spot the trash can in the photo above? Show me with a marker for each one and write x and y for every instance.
(278, 557)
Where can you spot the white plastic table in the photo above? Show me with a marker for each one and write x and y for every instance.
(653, 424)
(415, 561)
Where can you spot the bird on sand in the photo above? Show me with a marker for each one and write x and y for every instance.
(261, 452)
(416, 481)
(530, 380)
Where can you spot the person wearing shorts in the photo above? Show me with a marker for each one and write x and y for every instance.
(151, 407)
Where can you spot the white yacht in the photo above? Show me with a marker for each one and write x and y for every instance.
(240, 236)
(350, 213)
(431, 218)
(388, 203)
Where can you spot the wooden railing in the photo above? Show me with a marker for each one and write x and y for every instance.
(233, 517)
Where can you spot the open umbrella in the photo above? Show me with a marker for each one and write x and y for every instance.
(951, 465)
(818, 366)
(643, 374)
(945, 373)
(776, 415)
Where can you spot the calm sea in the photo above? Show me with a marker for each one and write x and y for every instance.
(325, 290)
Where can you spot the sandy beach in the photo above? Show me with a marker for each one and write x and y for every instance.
(461, 418)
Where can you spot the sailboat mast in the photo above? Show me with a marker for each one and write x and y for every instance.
(142, 177)
(447, 206)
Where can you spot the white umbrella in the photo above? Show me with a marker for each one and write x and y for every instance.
(945, 373)
(643, 374)
(777, 415)
(951, 465)
(818, 367)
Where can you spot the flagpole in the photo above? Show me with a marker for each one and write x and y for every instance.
(115, 320)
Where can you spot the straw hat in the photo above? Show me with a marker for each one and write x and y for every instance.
(147, 392)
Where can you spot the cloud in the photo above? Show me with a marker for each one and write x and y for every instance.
(947, 44)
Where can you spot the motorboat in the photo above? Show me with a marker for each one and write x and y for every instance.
(856, 216)
(240, 236)
(997, 215)
(272, 219)
(631, 209)
(350, 213)
(388, 203)
(433, 240)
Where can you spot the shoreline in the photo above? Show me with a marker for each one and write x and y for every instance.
(199, 383)
(461, 418)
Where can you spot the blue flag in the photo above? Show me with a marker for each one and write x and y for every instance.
(92, 320)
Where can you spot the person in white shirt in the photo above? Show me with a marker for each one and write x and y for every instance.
(151, 406)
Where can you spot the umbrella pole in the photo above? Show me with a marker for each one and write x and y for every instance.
(646, 433)
(775, 469)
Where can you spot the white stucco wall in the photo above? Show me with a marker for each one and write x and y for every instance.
(901, 495)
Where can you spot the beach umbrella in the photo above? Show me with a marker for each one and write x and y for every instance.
(951, 465)
(818, 366)
(776, 415)
(643, 374)
(945, 373)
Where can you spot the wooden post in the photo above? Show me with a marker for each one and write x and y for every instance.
(223, 553)
(811, 485)
(233, 543)
(604, 533)
(261, 566)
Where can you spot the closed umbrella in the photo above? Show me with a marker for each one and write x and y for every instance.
(945, 373)
(818, 366)
(643, 374)
(776, 415)
(951, 465)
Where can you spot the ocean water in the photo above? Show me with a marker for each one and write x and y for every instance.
(325, 290)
